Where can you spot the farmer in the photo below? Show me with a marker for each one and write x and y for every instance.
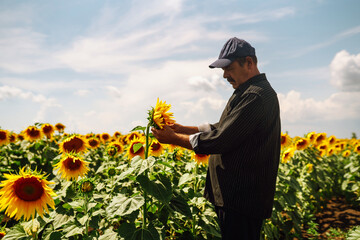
(244, 145)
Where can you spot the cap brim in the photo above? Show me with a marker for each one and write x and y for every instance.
(221, 63)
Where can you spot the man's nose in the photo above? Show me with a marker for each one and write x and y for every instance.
(225, 74)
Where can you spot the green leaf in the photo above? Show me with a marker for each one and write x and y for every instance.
(126, 230)
(53, 236)
(156, 189)
(185, 178)
(354, 234)
(138, 128)
(179, 204)
(16, 233)
(73, 229)
(61, 219)
(109, 234)
(122, 205)
(83, 219)
(137, 146)
(142, 234)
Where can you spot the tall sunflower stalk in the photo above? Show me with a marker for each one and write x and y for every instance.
(158, 117)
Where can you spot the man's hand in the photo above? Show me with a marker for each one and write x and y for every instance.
(168, 136)
(165, 135)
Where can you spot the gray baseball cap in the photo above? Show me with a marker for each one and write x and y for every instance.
(234, 48)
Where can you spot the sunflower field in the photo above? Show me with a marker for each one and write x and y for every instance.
(59, 185)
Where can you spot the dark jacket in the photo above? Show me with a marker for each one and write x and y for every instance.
(245, 150)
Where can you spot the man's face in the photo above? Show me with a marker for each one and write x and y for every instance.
(236, 74)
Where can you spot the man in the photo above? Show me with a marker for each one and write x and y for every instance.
(244, 145)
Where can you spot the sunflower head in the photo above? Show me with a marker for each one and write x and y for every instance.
(302, 143)
(115, 148)
(320, 137)
(48, 130)
(72, 166)
(117, 134)
(60, 127)
(32, 133)
(285, 140)
(288, 154)
(13, 137)
(2, 234)
(111, 171)
(159, 116)
(357, 148)
(26, 193)
(309, 167)
(93, 143)
(86, 185)
(156, 148)
(311, 136)
(136, 148)
(132, 135)
(4, 137)
(74, 144)
(105, 137)
(201, 159)
(346, 153)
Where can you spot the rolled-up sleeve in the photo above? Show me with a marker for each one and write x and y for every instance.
(235, 127)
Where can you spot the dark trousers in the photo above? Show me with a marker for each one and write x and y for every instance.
(235, 226)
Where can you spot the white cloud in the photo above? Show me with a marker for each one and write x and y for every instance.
(345, 71)
(206, 84)
(339, 106)
(7, 92)
(82, 92)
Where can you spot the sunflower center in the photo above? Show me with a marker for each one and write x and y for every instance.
(155, 146)
(283, 139)
(201, 155)
(47, 129)
(93, 143)
(2, 135)
(33, 132)
(73, 145)
(29, 189)
(72, 164)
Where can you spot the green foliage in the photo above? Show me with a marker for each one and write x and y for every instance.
(161, 197)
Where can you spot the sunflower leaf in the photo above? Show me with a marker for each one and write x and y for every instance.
(16, 233)
(138, 128)
(122, 205)
(137, 146)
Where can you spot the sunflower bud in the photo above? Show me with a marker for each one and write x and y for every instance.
(112, 150)
(86, 185)
(111, 171)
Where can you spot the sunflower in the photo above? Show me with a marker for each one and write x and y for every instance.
(20, 136)
(105, 137)
(156, 149)
(133, 135)
(25, 193)
(320, 138)
(119, 148)
(72, 166)
(13, 137)
(309, 167)
(75, 144)
(136, 148)
(32, 133)
(60, 127)
(287, 155)
(332, 140)
(86, 185)
(48, 130)
(93, 143)
(346, 153)
(2, 234)
(4, 137)
(302, 143)
(311, 136)
(331, 151)
(117, 134)
(159, 116)
(285, 140)
(201, 159)
(357, 148)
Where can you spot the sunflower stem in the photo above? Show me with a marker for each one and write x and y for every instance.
(86, 212)
(146, 172)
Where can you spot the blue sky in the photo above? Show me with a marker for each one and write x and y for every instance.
(98, 66)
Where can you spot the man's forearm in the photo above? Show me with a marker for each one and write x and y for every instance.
(182, 140)
(188, 130)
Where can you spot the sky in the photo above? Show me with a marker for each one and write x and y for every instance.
(99, 66)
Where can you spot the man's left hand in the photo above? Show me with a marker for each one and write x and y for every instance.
(165, 135)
